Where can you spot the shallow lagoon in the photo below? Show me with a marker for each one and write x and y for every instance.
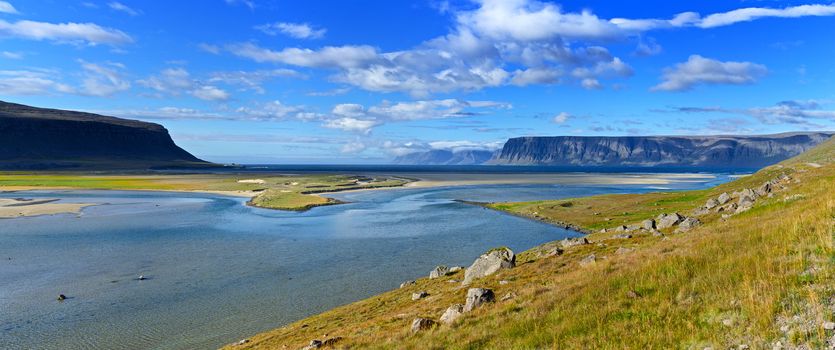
(219, 271)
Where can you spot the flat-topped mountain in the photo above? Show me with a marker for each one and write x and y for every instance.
(445, 157)
(40, 138)
(650, 151)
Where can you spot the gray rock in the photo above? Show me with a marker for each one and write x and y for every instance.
(724, 198)
(503, 282)
(745, 204)
(688, 224)
(508, 296)
(764, 189)
(747, 195)
(624, 250)
(422, 324)
(490, 263)
(620, 228)
(712, 203)
(667, 220)
(829, 326)
(314, 344)
(407, 283)
(419, 295)
(648, 224)
(571, 242)
(700, 212)
(439, 271)
(477, 297)
(589, 260)
(455, 269)
(452, 313)
(622, 236)
(553, 251)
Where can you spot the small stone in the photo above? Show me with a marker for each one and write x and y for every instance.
(743, 347)
(727, 322)
(477, 297)
(419, 295)
(407, 283)
(624, 250)
(422, 324)
(314, 344)
(452, 313)
(439, 271)
(508, 296)
(242, 342)
(589, 260)
(62, 297)
(490, 263)
(829, 326)
(633, 294)
(503, 282)
(622, 236)
(571, 242)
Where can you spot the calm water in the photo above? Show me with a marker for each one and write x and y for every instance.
(219, 271)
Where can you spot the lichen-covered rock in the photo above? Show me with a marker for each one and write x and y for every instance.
(667, 220)
(439, 271)
(419, 295)
(688, 224)
(589, 260)
(724, 198)
(490, 263)
(452, 313)
(477, 297)
(648, 224)
(712, 203)
(422, 324)
(571, 242)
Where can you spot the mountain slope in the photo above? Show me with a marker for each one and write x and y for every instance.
(648, 151)
(763, 278)
(33, 137)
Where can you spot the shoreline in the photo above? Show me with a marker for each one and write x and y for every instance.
(12, 208)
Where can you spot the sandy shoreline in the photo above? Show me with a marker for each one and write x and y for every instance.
(15, 208)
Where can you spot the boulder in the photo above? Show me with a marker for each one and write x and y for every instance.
(407, 283)
(439, 271)
(724, 198)
(688, 224)
(570, 242)
(764, 189)
(422, 324)
(648, 224)
(747, 194)
(452, 313)
(419, 295)
(314, 344)
(455, 269)
(667, 220)
(490, 263)
(712, 203)
(745, 204)
(700, 212)
(589, 260)
(477, 297)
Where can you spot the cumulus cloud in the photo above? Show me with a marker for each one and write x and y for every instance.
(698, 70)
(6, 7)
(362, 126)
(253, 80)
(400, 148)
(118, 6)
(31, 82)
(294, 30)
(561, 118)
(103, 79)
(693, 19)
(176, 81)
(77, 33)
(210, 93)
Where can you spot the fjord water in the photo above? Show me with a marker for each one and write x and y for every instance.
(218, 271)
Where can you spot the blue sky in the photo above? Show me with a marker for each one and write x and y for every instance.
(364, 81)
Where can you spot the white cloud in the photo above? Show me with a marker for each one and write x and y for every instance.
(699, 70)
(247, 3)
(118, 6)
(210, 93)
(562, 118)
(796, 112)
(400, 148)
(85, 33)
(752, 13)
(213, 49)
(362, 126)
(350, 110)
(253, 80)
(171, 80)
(276, 110)
(328, 57)
(31, 82)
(6, 7)
(103, 79)
(353, 147)
(11, 55)
(294, 30)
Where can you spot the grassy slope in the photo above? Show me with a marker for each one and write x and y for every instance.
(277, 192)
(722, 284)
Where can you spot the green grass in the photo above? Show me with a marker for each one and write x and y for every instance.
(747, 271)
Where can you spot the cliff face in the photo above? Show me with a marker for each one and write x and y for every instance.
(649, 151)
(445, 157)
(48, 138)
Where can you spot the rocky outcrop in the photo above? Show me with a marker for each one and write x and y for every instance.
(490, 263)
(654, 151)
(39, 138)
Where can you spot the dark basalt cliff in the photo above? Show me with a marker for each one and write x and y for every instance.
(662, 151)
(39, 138)
(445, 157)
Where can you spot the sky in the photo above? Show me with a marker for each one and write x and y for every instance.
(364, 81)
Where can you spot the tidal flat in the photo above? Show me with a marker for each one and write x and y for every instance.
(217, 270)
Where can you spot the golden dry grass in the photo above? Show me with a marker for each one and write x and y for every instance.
(723, 284)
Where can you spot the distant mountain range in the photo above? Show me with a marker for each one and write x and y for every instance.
(637, 151)
(445, 157)
(39, 138)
